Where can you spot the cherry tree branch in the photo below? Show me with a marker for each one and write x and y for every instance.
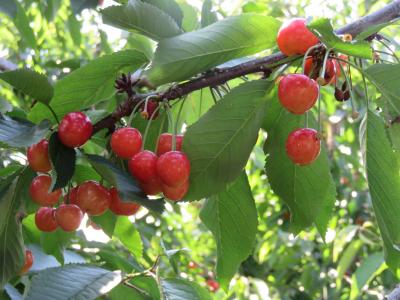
(265, 65)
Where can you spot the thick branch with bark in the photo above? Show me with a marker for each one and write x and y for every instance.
(266, 64)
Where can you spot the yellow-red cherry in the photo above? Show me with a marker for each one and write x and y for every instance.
(39, 191)
(75, 129)
(126, 142)
(69, 217)
(122, 208)
(175, 193)
(142, 166)
(93, 198)
(38, 157)
(295, 38)
(164, 143)
(330, 70)
(152, 187)
(71, 197)
(45, 219)
(297, 93)
(303, 146)
(173, 168)
(28, 262)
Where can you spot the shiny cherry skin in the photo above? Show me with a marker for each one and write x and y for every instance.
(151, 188)
(75, 129)
(164, 143)
(297, 93)
(295, 38)
(212, 285)
(45, 219)
(142, 166)
(71, 197)
(303, 146)
(93, 198)
(121, 208)
(151, 107)
(28, 262)
(39, 191)
(69, 217)
(173, 168)
(38, 157)
(330, 70)
(175, 193)
(126, 142)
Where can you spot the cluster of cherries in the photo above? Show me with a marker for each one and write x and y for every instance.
(165, 171)
(89, 197)
(299, 92)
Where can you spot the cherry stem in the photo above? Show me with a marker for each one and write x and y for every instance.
(323, 70)
(171, 123)
(134, 111)
(306, 55)
(388, 47)
(148, 125)
(53, 113)
(319, 109)
(177, 121)
(349, 84)
(364, 83)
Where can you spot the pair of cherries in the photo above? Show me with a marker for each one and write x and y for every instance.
(165, 171)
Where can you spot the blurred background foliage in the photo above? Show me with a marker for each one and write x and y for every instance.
(55, 37)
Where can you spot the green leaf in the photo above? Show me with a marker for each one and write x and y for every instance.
(80, 282)
(323, 29)
(143, 18)
(170, 7)
(29, 82)
(344, 236)
(12, 251)
(220, 143)
(106, 221)
(9, 8)
(74, 27)
(141, 43)
(21, 21)
(54, 243)
(62, 160)
(309, 191)
(85, 172)
(19, 133)
(203, 49)
(208, 17)
(127, 186)
(369, 268)
(181, 289)
(190, 21)
(127, 234)
(386, 79)
(382, 171)
(12, 292)
(232, 218)
(346, 259)
(89, 84)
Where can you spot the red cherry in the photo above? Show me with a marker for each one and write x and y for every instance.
(71, 197)
(151, 188)
(303, 146)
(93, 198)
(39, 191)
(192, 265)
(173, 168)
(38, 157)
(75, 129)
(151, 107)
(126, 142)
(297, 93)
(212, 285)
(175, 193)
(45, 219)
(164, 143)
(28, 262)
(330, 70)
(121, 208)
(69, 217)
(295, 38)
(142, 166)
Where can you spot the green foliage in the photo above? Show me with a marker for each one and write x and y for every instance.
(126, 232)
(73, 281)
(219, 144)
(231, 216)
(180, 289)
(206, 48)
